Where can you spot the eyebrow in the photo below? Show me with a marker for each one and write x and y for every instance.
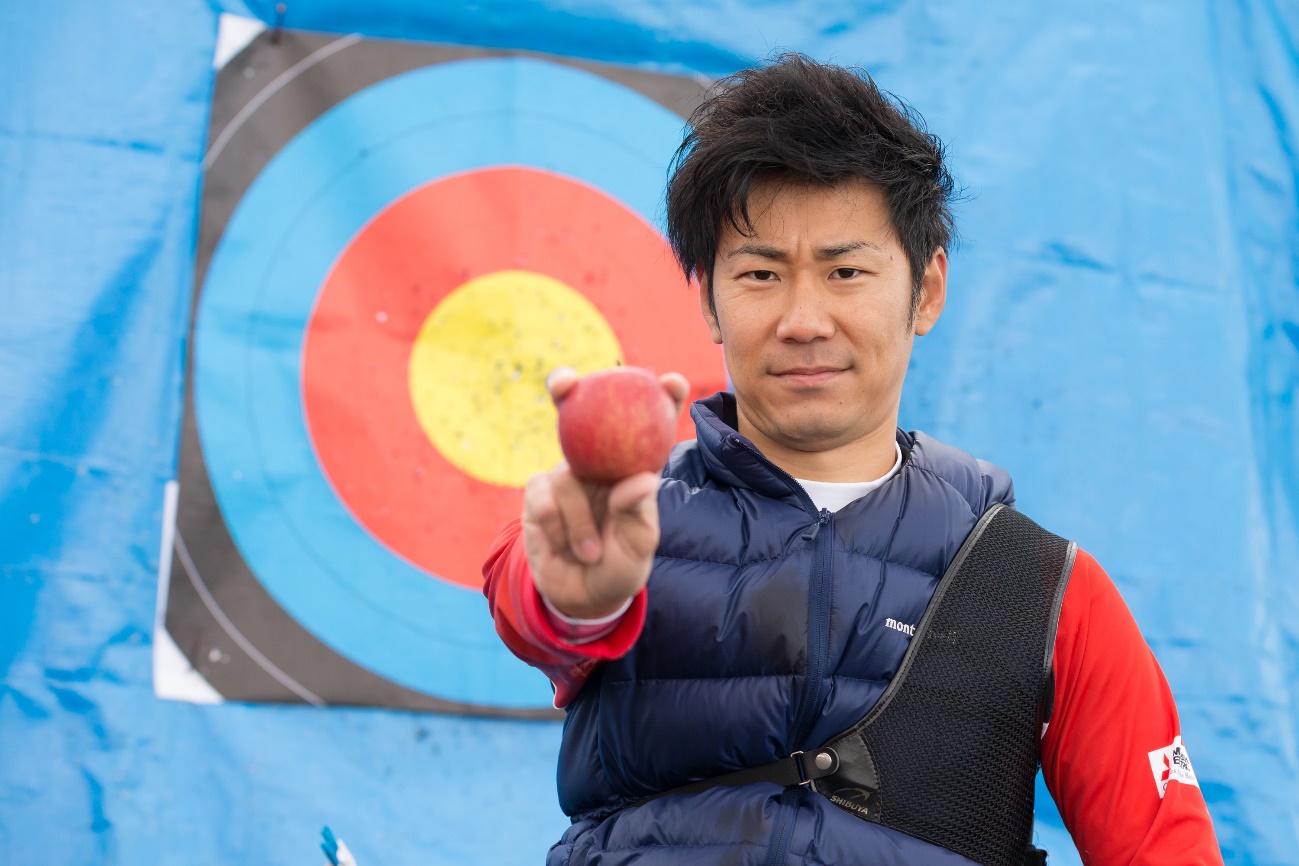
(776, 254)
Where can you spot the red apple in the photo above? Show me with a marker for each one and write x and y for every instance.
(615, 423)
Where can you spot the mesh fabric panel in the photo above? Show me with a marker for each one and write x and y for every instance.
(955, 751)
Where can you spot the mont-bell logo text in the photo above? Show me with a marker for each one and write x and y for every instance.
(900, 626)
(1172, 764)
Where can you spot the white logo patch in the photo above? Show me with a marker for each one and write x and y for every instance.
(1172, 764)
(900, 626)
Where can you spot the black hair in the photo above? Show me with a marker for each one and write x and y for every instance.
(807, 122)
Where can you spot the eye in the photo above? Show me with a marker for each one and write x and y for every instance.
(762, 276)
(847, 273)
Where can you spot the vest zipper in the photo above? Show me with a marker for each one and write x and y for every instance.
(818, 626)
(818, 620)
(818, 647)
(778, 850)
(818, 652)
(812, 533)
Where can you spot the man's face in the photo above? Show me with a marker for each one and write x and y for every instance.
(814, 314)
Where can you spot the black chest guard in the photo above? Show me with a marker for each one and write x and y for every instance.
(949, 753)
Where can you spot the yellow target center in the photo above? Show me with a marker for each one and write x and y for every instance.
(478, 369)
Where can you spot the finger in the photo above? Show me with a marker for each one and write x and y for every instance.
(541, 510)
(598, 496)
(635, 497)
(677, 387)
(583, 537)
(545, 563)
(633, 528)
(560, 381)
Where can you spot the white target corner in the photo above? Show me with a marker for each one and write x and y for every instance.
(234, 32)
(174, 678)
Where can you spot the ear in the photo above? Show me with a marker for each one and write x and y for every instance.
(933, 293)
(706, 307)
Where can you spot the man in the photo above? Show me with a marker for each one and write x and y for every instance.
(759, 598)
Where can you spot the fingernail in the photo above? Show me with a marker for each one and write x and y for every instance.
(589, 549)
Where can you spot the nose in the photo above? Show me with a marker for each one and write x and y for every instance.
(806, 316)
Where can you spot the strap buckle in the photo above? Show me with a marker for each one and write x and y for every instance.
(825, 761)
(797, 757)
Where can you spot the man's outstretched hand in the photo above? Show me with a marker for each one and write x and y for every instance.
(591, 546)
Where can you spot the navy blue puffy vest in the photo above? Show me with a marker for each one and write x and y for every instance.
(770, 628)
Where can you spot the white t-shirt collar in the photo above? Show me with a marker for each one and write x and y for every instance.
(833, 495)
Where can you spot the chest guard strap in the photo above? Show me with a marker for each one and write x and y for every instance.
(949, 753)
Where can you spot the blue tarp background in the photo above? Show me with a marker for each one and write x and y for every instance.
(1122, 334)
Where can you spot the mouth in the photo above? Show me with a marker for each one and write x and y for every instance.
(808, 377)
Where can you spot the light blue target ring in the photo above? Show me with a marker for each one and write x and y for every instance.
(317, 561)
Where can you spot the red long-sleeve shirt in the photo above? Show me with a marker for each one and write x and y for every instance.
(1112, 755)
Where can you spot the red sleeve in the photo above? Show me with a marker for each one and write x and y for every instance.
(521, 620)
(1112, 755)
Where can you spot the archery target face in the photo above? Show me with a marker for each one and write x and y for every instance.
(374, 332)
